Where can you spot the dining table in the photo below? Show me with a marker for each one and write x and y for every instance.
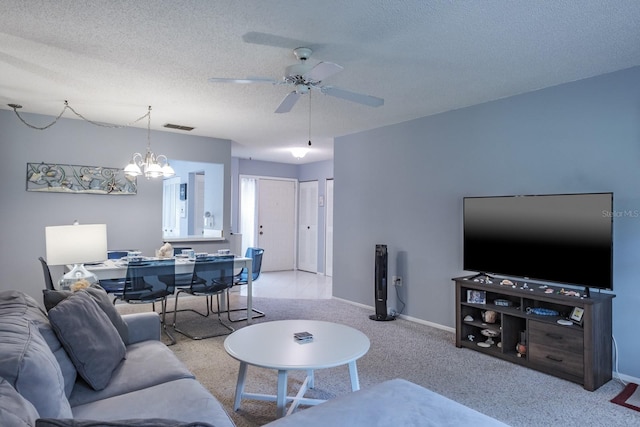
(117, 269)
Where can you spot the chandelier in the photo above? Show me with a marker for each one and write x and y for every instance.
(151, 166)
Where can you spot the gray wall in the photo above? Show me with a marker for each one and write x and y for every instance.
(403, 185)
(132, 221)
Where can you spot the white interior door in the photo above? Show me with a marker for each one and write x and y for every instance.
(308, 226)
(328, 231)
(276, 223)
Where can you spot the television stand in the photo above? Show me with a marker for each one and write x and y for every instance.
(529, 325)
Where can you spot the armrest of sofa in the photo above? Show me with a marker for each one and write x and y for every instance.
(395, 402)
(143, 326)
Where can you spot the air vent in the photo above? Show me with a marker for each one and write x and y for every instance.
(179, 127)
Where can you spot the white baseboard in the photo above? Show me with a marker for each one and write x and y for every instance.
(616, 375)
(401, 316)
(626, 379)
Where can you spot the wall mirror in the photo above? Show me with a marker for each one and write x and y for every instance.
(193, 202)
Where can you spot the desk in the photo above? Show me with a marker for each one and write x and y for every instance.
(117, 269)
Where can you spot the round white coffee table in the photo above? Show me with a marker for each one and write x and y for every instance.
(272, 345)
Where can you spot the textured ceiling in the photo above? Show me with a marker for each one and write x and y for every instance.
(111, 59)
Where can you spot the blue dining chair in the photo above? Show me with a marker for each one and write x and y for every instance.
(150, 281)
(211, 277)
(114, 285)
(241, 279)
(48, 281)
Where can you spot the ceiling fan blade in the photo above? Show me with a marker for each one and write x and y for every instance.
(274, 40)
(243, 81)
(371, 101)
(322, 71)
(288, 102)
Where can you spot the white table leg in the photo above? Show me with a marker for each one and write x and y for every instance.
(281, 398)
(249, 267)
(312, 379)
(242, 374)
(353, 373)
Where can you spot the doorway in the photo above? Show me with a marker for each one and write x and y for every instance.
(308, 227)
(267, 210)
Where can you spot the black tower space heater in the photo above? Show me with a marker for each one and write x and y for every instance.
(380, 285)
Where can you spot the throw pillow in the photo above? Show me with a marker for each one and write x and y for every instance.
(27, 363)
(53, 298)
(101, 297)
(25, 306)
(151, 422)
(15, 410)
(93, 343)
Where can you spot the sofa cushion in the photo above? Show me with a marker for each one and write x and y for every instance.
(28, 364)
(147, 364)
(53, 297)
(138, 422)
(19, 304)
(91, 340)
(15, 410)
(185, 399)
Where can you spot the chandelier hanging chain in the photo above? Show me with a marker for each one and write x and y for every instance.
(148, 129)
(67, 106)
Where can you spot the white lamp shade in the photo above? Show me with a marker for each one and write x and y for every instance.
(76, 244)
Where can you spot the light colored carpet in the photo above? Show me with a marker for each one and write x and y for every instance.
(400, 349)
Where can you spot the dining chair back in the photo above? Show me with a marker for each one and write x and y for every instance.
(117, 254)
(211, 277)
(150, 281)
(178, 250)
(241, 279)
(256, 265)
(114, 285)
(48, 282)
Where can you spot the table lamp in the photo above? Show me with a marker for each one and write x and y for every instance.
(76, 245)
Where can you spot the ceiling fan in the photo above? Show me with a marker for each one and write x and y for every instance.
(305, 77)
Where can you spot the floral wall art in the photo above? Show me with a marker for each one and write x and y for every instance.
(51, 177)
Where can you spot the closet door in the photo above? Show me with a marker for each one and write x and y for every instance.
(308, 227)
(276, 223)
(328, 231)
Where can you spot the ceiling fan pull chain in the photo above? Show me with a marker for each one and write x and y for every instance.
(309, 118)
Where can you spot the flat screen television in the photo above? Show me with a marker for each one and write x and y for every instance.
(563, 238)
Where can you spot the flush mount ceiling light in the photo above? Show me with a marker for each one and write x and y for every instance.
(299, 152)
(151, 166)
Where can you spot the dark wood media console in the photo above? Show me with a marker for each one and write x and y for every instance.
(581, 353)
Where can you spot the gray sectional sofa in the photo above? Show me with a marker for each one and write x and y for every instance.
(82, 364)
(67, 366)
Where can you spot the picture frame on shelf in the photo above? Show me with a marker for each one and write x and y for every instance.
(576, 315)
(475, 296)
